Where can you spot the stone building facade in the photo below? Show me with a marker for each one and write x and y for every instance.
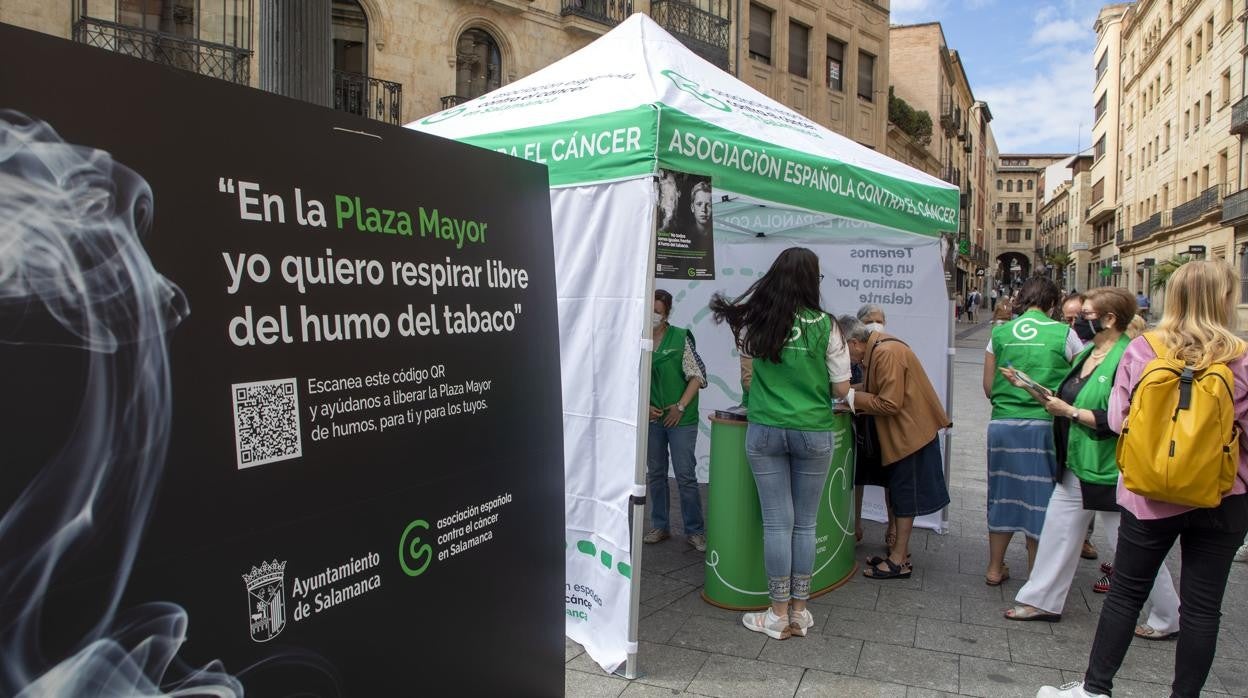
(1179, 161)
(930, 77)
(398, 61)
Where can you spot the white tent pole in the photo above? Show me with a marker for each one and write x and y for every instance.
(944, 513)
(638, 502)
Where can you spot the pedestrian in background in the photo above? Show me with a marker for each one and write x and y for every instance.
(959, 306)
(1196, 328)
(1021, 463)
(797, 355)
(676, 375)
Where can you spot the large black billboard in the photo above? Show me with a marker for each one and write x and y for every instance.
(281, 408)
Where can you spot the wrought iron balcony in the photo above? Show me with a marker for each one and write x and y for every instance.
(951, 174)
(950, 115)
(608, 12)
(1235, 207)
(206, 58)
(704, 32)
(368, 96)
(453, 101)
(1239, 117)
(1189, 211)
(1152, 224)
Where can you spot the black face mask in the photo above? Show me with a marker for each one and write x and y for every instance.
(1087, 329)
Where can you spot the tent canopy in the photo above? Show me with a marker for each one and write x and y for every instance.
(637, 100)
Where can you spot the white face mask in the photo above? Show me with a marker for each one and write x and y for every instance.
(656, 319)
(875, 326)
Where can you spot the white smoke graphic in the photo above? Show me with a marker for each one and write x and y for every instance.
(70, 222)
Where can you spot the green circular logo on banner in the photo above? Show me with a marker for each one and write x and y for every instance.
(443, 116)
(412, 551)
(686, 85)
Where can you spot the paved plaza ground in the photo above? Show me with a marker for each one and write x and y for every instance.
(938, 633)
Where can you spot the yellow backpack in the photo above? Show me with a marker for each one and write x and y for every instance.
(1180, 442)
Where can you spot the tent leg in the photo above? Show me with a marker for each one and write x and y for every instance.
(637, 509)
(944, 513)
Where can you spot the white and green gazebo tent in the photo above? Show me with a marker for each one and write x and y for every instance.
(605, 120)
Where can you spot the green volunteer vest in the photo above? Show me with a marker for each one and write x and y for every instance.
(1092, 459)
(667, 375)
(1036, 345)
(793, 394)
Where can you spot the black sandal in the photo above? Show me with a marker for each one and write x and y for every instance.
(894, 571)
(876, 559)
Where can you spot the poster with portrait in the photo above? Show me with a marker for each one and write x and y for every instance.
(685, 244)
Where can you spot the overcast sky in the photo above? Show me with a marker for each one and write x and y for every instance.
(1030, 60)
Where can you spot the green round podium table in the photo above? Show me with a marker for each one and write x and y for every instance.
(735, 577)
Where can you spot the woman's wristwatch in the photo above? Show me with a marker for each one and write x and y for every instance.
(679, 407)
(1074, 414)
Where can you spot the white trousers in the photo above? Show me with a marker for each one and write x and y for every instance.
(1061, 540)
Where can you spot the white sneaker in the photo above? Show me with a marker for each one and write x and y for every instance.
(800, 622)
(768, 623)
(1242, 555)
(698, 541)
(1073, 689)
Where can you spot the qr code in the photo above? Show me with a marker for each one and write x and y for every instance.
(266, 422)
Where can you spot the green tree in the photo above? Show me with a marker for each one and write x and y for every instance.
(916, 124)
(1163, 271)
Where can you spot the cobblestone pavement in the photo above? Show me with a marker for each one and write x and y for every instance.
(938, 633)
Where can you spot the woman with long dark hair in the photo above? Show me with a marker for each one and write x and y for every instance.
(799, 360)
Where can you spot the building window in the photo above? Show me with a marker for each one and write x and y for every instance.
(1169, 72)
(998, 234)
(1165, 132)
(1099, 151)
(478, 64)
(1209, 32)
(350, 32)
(760, 33)
(1019, 184)
(1099, 110)
(1012, 235)
(1028, 207)
(1187, 121)
(1009, 185)
(1226, 87)
(1027, 235)
(836, 64)
(998, 207)
(1187, 55)
(799, 50)
(1156, 148)
(999, 185)
(1199, 44)
(1031, 184)
(1196, 117)
(1102, 65)
(1208, 106)
(866, 76)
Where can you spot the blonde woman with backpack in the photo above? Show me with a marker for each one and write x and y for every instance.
(1196, 328)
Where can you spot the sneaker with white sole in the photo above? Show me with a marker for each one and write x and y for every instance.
(698, 541)
(655, 535)
(800, 622)
(1073, 689)
(1242, 555)
(768, 623)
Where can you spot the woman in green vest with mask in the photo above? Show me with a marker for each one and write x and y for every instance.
(1021, 465)
(1087, 470)
(799, 361)
(676, 375)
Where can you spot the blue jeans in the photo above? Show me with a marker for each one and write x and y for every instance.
(790, 468)
(681, 441)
